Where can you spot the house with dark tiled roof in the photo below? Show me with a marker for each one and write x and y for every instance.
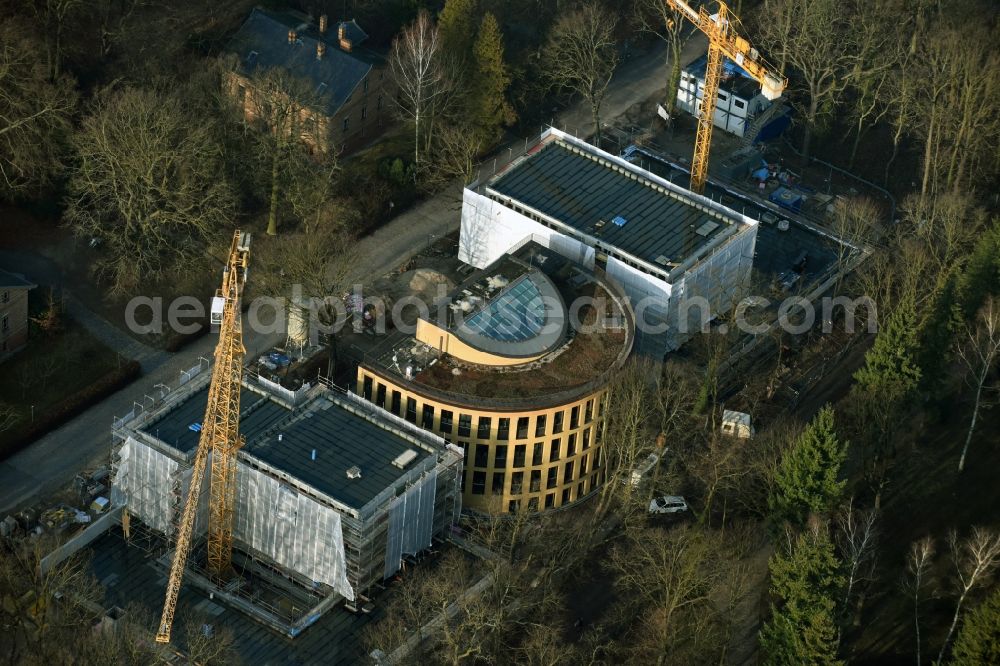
(14, 290)
(350, 88)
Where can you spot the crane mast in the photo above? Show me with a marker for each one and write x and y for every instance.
(722, 42)
(219, 435)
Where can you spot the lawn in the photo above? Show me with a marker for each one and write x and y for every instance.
(39, 379)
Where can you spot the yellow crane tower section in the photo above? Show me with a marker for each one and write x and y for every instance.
(722, 42)
(219, 435)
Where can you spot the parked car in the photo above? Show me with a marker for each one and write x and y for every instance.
(668, 504)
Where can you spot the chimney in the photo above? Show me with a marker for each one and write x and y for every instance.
(320, 49)
(322, 24)
(345, 43)
(291, 36)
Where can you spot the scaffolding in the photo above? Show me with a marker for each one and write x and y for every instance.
(298, 550)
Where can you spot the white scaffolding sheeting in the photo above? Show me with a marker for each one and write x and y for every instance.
(290, 528)
(411, 522)
(143, 483)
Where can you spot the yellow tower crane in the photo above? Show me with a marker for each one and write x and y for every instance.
(219, 435)
(722, 42)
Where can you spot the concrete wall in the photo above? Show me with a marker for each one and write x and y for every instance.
(490, 229)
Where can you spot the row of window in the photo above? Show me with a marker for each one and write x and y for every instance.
(514, 505)
(481, 458)
(346, 122)
(447, 424)
(517, 486)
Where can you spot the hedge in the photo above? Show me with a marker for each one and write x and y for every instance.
(70, 406)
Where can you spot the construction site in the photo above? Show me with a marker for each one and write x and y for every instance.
(283, 515)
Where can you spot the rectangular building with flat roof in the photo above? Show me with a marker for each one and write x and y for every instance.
(331, 491)
(675, 253)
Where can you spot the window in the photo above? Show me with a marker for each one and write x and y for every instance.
(394, 407)
(568, 472)
(464, 425)
(586, 439)
(379, 104)
(553, 477)
(536, 480)
(574, 417)
(533, 504)
(347, 123)
(503, 429)
(463, 483)
(364, 112)
(557, 423)
(739, 104)
(427, 420)
(366, 391)
(554, 447)
(519, 455)
(581, 489)
(500, 457)
(479, 483)
(600, 406)
(465, 454)
(550, 500)
(565, 496)
(380, 395)
(522, 427)
(498, 479)
(485, 425)
(482, 455)
(514, 506)
(590, 412)
(540, 426)
(571, 445)
(411, 410)
(516, 481)
(723, 97)
(446, 420)
(537, 457)
(583, 464)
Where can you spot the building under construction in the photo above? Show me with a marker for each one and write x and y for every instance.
(332, 495)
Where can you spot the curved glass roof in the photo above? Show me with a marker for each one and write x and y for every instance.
(516, 315)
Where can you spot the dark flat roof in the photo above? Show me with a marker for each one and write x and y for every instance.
(735, 79)
(342, 439)
(127, 575)
(582, 190)
(257, 414)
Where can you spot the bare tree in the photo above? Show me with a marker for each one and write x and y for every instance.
(287, 112)
(918, 563)
(52, 15)
(417, 67)
(974, 560)
(581, 55)
(9, 416)
(146, 181)
(979, 352)
(857, 537)
(657, 18)
(35, 113)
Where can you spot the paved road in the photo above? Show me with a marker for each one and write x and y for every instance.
(52, 461)
(637, 80)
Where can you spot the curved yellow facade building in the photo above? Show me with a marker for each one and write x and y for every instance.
(525, 399)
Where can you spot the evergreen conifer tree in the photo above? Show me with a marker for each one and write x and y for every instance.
(807, 479)
(490, 111)
(979, 640)
(804, 583)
